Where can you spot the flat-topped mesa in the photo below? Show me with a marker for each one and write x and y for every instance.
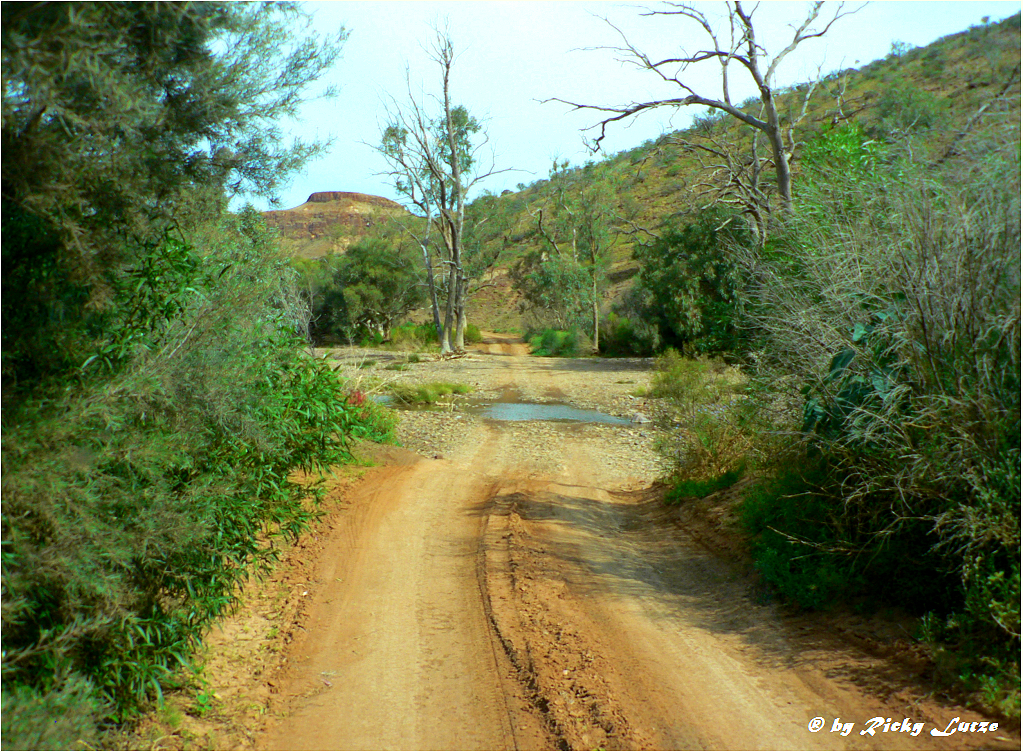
(332, 218)
(321, 197)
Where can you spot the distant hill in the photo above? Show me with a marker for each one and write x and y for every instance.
(329, 221)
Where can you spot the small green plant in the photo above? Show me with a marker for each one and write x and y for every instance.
(374, 339)
(693, 281)
(426, 394)
(375, 422)
(205, 702)
(712, 429)
(692, 382)
(413, 336)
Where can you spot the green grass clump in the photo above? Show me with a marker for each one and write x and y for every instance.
(426, 394)
(413, 336)
(697, 489)
(691, 382)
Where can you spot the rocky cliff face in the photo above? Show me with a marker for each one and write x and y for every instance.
(329, 220)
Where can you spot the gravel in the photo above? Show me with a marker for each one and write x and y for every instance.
(606, 385)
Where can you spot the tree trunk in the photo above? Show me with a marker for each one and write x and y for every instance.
(432, 285)
(449, 312)
(781, 159)
(596, 309)
(460, 317)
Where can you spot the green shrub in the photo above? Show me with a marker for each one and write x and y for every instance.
(693, 281)
(556, 343)
(625, 337)
(358, 295)
(692, 382)
(807, 545)
(411, 336)
(902, 109)
(62, 716)
(371, 339)
(472, 334)
(805, 561)
(713, 430)
(373, 421)
(895, 303)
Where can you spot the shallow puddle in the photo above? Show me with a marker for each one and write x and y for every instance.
(510, 408)
(517, 411)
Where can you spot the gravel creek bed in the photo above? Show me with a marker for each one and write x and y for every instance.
(605, 385)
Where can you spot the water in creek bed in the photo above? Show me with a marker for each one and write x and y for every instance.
(516, 411)
(511, 408)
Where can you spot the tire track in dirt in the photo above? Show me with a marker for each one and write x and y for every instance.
(632, 636)
(398, 652)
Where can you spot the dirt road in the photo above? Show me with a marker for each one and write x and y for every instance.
(528, 591)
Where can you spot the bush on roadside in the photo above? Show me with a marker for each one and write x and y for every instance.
(136, 503)
(895, 300)
(713, 430)
(557, 343)
(627, 337)
(413, 337)
(692, 281)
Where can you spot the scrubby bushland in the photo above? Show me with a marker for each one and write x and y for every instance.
(894, 299)
(139, 497)
(156, 396)
(713, 425)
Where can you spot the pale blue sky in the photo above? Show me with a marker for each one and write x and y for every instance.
(513, 54)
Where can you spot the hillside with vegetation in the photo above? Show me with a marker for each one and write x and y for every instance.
(936, 94)
(329, 221)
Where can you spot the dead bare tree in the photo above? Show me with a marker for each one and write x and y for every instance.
(434, 159)
(741, 47)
